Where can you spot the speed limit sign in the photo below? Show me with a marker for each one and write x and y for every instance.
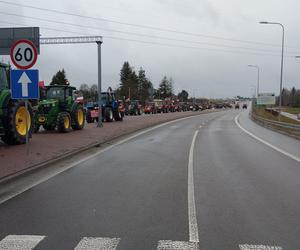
(23, 54)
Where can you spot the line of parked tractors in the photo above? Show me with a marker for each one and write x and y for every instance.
(59, 108)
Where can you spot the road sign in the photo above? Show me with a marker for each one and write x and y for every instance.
(8, 36)
(23, 54)
(24, 84)
(266, 99)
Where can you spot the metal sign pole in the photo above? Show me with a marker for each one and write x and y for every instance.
(26, 121)
(99, 124)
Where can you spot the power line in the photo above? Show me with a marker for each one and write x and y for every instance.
(137, 34)
(155, 43)
(135, 25)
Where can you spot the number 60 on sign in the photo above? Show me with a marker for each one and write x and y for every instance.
(23, 54)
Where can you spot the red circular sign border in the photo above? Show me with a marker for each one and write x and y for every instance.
(34, 52)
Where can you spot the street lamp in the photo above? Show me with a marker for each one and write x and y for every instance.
(258, 70)
(282, 53)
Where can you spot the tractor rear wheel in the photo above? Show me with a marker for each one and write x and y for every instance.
(118, 116)
(15, 123)
(63, 122)
(78, 118)
(109, 115)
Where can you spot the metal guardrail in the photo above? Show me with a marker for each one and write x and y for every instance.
(275, 123)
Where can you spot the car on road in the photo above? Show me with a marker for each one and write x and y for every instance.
(245, 106)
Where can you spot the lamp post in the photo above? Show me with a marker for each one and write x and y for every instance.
(258, 72)
(282, 53)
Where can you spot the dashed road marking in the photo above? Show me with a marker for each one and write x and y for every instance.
(29, 242)
(259, 247)
(193, 225)
(177, 245)
(20, 242)
(265, 142)
(90, 243)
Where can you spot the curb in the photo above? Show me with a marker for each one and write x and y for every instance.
(46, 163)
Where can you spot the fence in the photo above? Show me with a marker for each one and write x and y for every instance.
(272, 123)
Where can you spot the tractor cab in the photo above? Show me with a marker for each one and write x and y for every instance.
(4, 76)
(107, 98)
(62, 93)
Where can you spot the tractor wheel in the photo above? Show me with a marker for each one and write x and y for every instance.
(15, 123)
(118, 116)
(89, 118)
(109, 117)
(63, 122)
(49, 127)
(78, 118)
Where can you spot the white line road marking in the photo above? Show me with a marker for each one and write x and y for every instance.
(20, 242)
(193, 225)
(177, 245)
(200, 127)
(265, 142)
(258, 247)
(89, 243)
(83, 160)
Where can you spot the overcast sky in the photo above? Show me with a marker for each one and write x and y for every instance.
(209, 63)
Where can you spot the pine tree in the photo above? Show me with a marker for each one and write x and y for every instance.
(125, 76)
(165, 88)
(292, 97)
(183, 96)
(60, 78)
(144, 86)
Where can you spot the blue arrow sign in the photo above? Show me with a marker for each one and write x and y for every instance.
(24, 84)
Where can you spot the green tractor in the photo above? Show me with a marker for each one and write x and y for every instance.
(12, 113)
(59, 110)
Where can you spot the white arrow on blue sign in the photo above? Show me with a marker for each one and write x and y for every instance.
(24, 84)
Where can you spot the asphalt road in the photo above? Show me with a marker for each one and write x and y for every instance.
(199, 179)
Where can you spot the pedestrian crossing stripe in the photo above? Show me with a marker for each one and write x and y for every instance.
(29, 242)
(177, 245)
(259, 247)
(89, 243)
(20, 242)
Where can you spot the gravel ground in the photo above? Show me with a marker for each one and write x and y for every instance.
(45, 145)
